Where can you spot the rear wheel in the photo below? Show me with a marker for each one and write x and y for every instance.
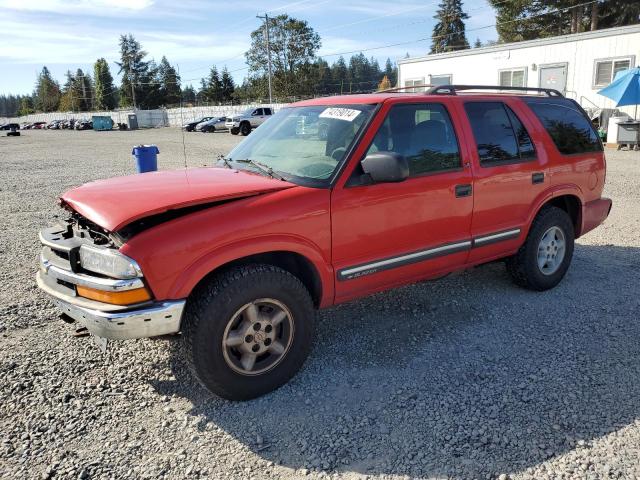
(248, 331)
(545, 257)
(245, 129)
(234, 131)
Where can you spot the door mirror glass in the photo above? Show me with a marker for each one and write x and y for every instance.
(383, 167)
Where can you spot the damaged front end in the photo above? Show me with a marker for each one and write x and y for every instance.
(96, 285)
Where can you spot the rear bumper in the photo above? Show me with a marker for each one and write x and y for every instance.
(594, 213)
(161, 318)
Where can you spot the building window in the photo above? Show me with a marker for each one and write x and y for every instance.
(605, 70)
(440, 80)
(413, 82)
(513, 78)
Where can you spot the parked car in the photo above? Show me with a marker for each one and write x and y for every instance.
(10, 126)
(26, 126)
(190, 126)
(38, 125)
(54, 125)
(83, 125)
(403, 188)
(216, 123)
(246, 121)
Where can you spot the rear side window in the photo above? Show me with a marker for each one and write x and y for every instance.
(500, 135)
(568, 127)
(267, 111)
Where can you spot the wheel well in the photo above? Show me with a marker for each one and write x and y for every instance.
(570, 204)
(294, 263)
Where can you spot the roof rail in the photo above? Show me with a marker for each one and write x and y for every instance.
(452, 89)
(399, 89)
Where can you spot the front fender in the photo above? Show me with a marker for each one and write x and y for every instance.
(224, 254)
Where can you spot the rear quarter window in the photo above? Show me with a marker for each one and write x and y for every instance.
(568, 127)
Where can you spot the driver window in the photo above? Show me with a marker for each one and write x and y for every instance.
(423, 133)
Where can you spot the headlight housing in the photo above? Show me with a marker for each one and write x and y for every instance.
(108, 262)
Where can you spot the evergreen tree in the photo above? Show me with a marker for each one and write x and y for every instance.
(339, 75)
(47, 92)
(227, 85)
(449, 34)
(134, 69)
(477, 43)
(391, 72)
(189, 94)
(169, 80)
(105, 92)
(211, 87)
(26, 105)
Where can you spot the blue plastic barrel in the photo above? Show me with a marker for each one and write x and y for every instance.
(146, 158)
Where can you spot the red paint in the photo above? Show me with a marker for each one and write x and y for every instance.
(344, 226)
(115, 202)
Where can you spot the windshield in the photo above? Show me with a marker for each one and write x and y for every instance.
(304, 142)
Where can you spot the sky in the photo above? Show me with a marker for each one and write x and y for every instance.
(195, 34)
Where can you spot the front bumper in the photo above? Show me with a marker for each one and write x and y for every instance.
(231, 125)
(162, 318)
(117, 322)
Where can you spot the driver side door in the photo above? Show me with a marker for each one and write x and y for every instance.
(388, 234)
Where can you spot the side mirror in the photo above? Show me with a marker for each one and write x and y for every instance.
(384, 167)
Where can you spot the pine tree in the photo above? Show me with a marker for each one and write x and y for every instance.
(105, 92)
(227, 85)
(339, 75)
(169, 80)
(477, 43)
(47, 92)
(211, 87)
(448, 33)
(189, 94)
(133, 69)
(391, 72)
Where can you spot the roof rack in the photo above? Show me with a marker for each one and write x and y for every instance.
(452, 89)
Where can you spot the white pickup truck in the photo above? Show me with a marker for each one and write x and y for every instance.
(244, 122)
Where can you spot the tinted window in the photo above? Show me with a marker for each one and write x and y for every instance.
(500, 136)
(257, 111)
(568, 127)
(267, 111)
(423, 134)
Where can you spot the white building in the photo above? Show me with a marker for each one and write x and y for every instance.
(578, 65)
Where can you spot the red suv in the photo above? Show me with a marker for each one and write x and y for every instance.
(384, 190)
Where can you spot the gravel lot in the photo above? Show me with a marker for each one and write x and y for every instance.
(467, 377)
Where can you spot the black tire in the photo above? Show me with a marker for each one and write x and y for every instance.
(245, 129)
(523, 266)
(234, 131)
(212, 307)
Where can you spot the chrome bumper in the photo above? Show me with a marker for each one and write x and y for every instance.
(160, 318)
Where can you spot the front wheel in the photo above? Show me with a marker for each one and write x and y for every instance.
(248, 331)
(544, 259)
(245, 129)
(234, 131)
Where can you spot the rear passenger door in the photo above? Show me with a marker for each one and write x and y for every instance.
(509, 174)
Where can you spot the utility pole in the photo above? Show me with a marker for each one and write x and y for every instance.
(266, 28)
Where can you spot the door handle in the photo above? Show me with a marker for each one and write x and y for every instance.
(537, 177)
(463, 190)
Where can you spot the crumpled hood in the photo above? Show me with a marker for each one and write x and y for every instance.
(116, 202)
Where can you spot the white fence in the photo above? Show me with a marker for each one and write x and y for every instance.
(172, 117)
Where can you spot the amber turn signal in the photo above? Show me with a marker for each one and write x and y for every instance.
(126, 297)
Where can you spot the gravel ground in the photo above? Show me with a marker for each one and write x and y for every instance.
(467, 377)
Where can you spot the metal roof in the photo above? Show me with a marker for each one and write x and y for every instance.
(606, 32)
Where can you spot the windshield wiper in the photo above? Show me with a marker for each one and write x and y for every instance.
(225, 160)
(260, 166)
